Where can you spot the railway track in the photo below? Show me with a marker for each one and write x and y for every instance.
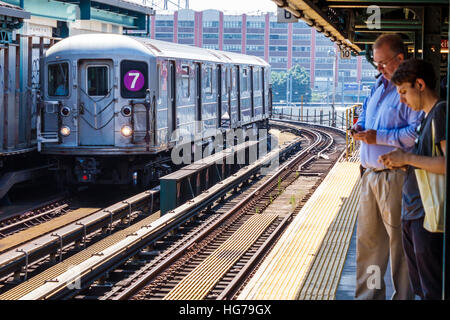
(215, 267)
(151, 259)
(33, 216)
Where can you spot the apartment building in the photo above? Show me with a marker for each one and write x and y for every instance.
(283, 45)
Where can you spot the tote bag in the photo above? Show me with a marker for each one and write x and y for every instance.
(432, 190)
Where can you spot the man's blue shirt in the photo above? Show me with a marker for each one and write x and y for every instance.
(394, 122)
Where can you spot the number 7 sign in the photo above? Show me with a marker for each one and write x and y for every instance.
(134, 80)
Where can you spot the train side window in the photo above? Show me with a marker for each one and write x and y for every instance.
(185, 81)
(234, 77)
(208, 81)
(97, 80)
(256, 79)
(244, 80)
(58, 79)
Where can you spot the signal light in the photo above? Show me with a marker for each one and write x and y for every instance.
(65, 111)
(126, 111)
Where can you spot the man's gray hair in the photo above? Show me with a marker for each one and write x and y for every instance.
(394, 41)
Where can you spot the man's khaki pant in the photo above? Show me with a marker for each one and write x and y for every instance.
(379, 236)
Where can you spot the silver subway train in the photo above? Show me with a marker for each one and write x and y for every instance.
(113, 106)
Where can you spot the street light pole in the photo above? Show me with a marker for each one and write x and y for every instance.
(332, 53)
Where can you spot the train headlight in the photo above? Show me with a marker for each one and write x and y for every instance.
(65, 111)
(126, 111)
(65, 131)
(126, 131)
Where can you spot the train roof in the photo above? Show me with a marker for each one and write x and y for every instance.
(126, 46)
(175, 50)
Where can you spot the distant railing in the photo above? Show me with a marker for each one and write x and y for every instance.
(343, 117)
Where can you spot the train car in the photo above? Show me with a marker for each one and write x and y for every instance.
(113, 106)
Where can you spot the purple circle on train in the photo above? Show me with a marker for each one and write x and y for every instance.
(133, 80)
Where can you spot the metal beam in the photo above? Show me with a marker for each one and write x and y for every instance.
(446, 253)
(16, 13)
(432, 40)
(400, 3)
(85, 9)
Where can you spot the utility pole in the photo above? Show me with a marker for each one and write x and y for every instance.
(332, 53)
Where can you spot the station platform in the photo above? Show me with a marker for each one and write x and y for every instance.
(308, 260)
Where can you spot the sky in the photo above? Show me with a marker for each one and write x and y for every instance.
(227, 6)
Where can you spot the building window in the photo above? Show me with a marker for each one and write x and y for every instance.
(232, 24)
(255, 36)
(278, 25)
(210, 36)
(164, 35)
(235, 36)
(278, 37)
(255, 24)
(185, 36)
(164, 23)
(278, 48)
(186, 24)
(210, 24)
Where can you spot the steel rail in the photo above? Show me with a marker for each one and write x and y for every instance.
(166, 223)
(105, 260)
(152, 273)
(14, 259)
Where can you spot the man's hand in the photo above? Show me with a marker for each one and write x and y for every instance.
(356, 128)
(367, 136)
(394, 159)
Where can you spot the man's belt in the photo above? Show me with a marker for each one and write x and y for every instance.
(362, 170)
(381, 170)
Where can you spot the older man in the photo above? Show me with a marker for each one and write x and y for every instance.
(384, 124)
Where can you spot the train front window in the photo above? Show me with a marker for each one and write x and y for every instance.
(58, 79)
(97, 80)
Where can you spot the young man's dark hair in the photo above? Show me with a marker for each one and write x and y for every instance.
(412, 69)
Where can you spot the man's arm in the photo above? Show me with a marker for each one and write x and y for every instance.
(403, 137)
(399, 158)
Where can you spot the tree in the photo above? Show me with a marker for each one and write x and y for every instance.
(300, 84)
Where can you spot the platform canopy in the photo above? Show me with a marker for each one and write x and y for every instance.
(11, 17)
(127, 14)
(355, 24)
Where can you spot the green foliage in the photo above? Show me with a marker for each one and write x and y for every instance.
(300, 84)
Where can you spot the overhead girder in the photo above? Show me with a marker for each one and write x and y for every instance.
(345, 21)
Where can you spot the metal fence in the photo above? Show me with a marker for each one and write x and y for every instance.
(323, 114)
(19, 87)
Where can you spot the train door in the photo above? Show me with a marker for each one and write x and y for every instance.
(263, 91)
(244, 95)
(225, 94)
(257, 95)
(234, 97)
(172, 100)
(198, 100)
(96, 103)
(162, 104)
(209, 97)
(252, 92)
(219, 94)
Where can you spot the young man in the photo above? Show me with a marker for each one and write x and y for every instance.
(415, 81)
(384, 124)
